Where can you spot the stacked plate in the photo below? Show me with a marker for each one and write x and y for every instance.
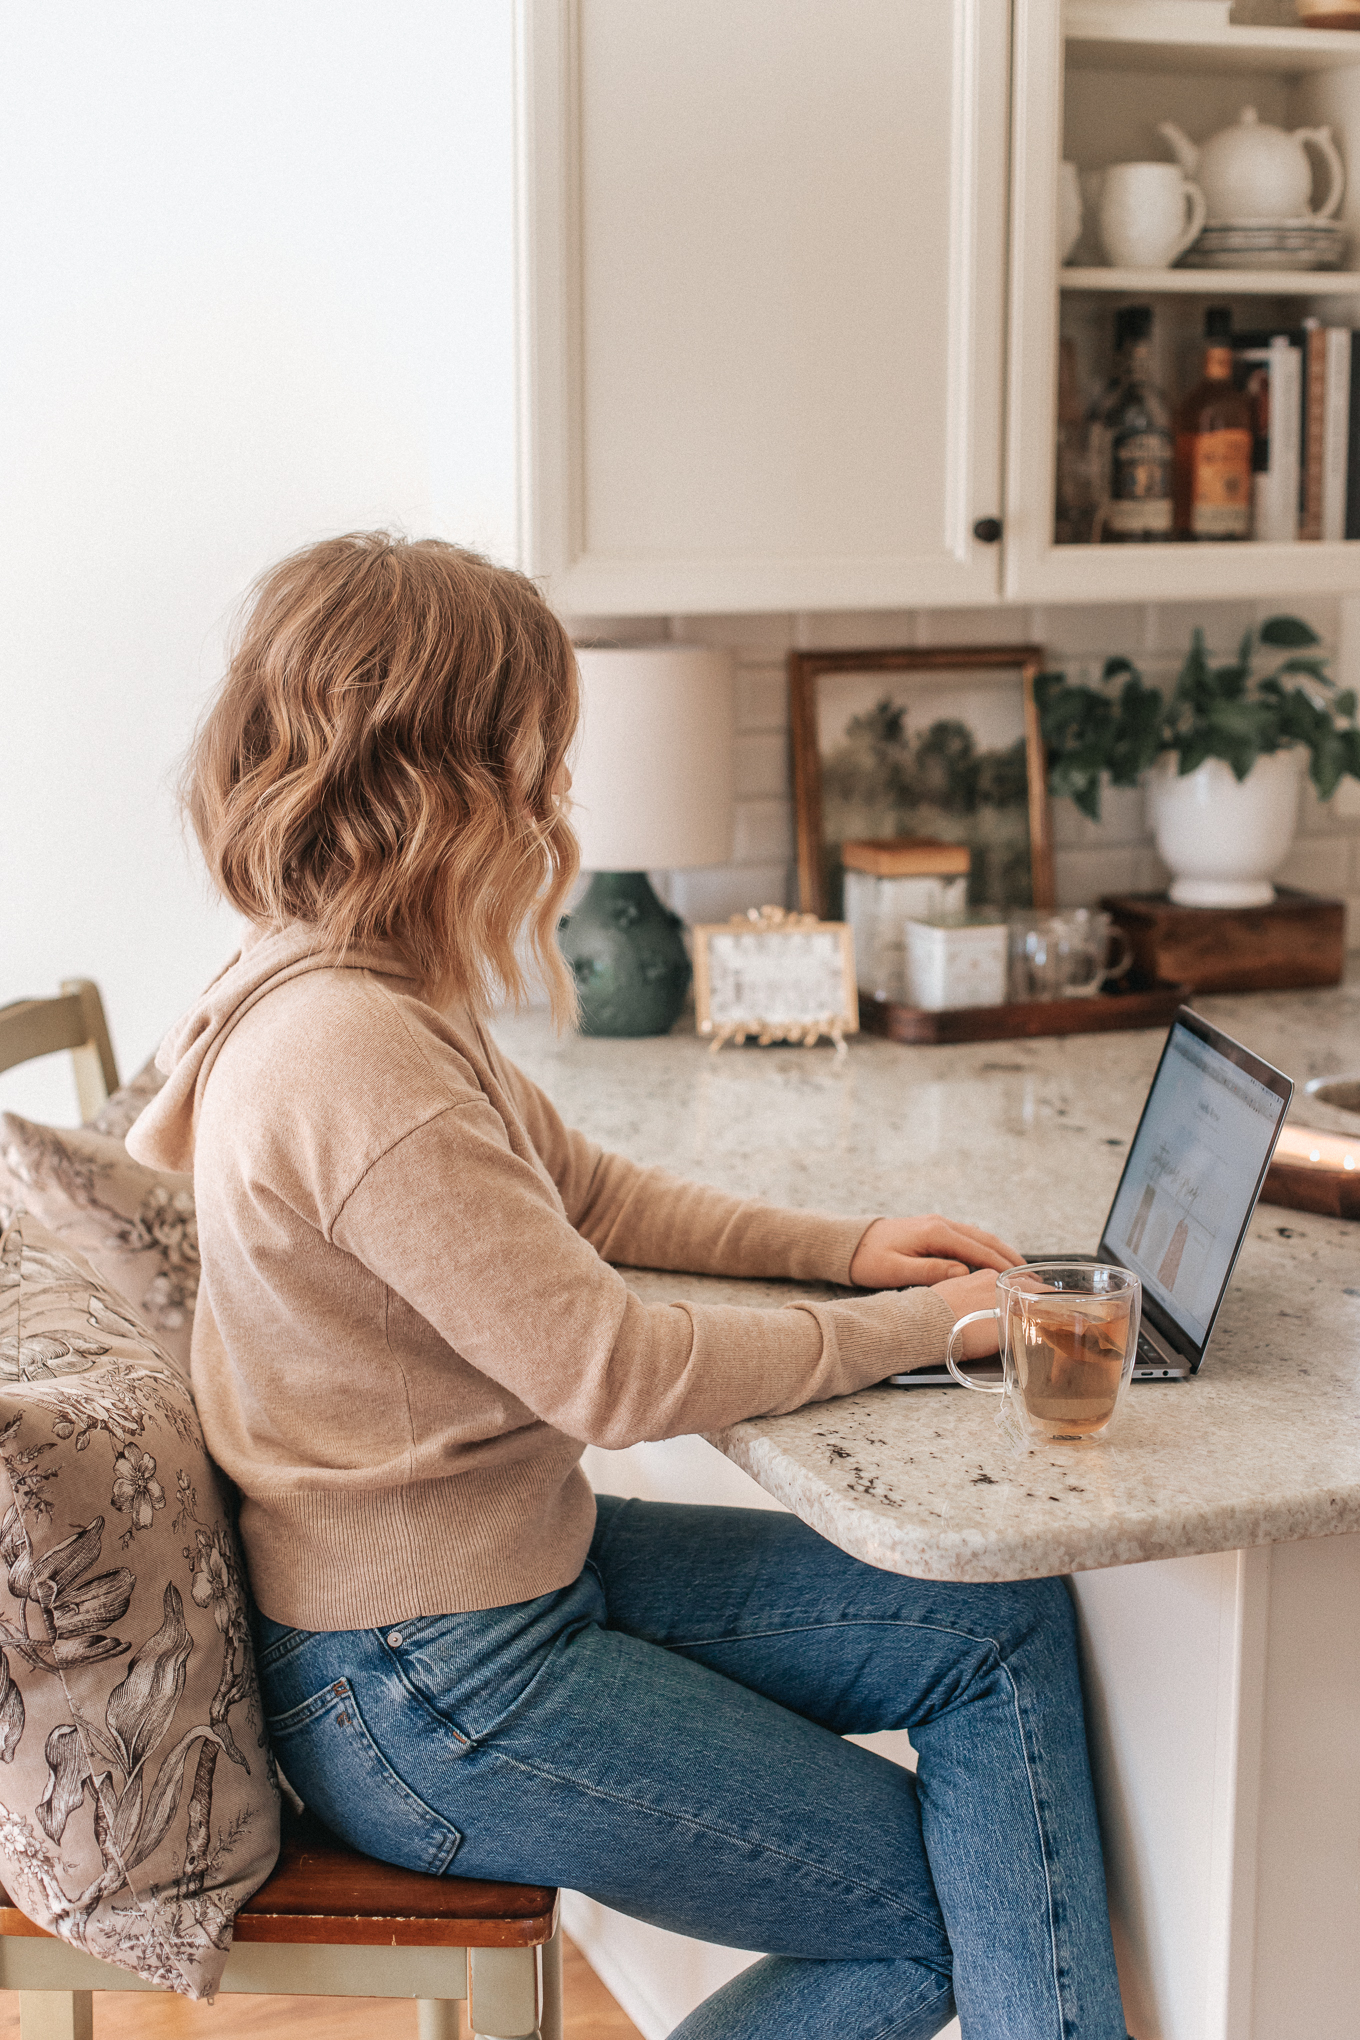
(1268, 244)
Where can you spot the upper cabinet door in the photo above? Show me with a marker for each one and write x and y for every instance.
(763, 299)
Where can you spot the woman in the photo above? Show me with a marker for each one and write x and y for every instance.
(408, 1324)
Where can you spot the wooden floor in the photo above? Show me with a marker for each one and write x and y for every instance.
(590, 2014)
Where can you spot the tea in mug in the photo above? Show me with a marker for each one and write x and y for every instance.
(1068, 1358)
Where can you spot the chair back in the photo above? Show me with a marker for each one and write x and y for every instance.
(74, 1020)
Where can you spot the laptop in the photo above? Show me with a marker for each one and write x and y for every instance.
(1184, 1202)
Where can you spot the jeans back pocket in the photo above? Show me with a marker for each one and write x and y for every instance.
(336, 1766)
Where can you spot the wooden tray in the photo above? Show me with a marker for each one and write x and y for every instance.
(1297, 940)
(1315, 1171)
(1145, 1005)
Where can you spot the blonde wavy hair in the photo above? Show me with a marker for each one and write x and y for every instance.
(380, 763)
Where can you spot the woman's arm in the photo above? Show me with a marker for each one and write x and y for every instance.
(472, 1237)
(642, 1217)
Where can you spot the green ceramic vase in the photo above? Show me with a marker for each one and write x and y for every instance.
(632, 972)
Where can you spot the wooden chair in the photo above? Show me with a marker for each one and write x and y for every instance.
(33, 1027)
(332, 1923)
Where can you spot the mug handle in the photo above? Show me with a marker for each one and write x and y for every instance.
(1117, 970)
(1195, 224)
(987, 1387)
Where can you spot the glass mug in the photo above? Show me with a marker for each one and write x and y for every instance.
(1068, 1335)
(1065, 956)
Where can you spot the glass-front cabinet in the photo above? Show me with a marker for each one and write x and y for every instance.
(1179, 422)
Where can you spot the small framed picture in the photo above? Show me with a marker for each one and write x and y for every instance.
(773, 976)
(923, 742)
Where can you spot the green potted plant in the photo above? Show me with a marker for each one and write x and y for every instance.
(1223, 752)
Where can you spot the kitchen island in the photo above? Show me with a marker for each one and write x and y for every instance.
(1214, 1542)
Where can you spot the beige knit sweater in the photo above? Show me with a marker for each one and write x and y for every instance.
(408, 1321)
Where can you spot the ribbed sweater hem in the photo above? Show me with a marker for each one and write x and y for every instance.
(363, 1560)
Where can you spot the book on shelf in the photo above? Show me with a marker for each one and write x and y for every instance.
(1269, 368)
(1314, 432)
(1307, 469)
(1336, 420)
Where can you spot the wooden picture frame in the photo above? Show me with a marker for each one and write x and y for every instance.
(818, 865)
(768, 975)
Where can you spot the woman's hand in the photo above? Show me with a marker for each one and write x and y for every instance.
(965, 1293)
(899, 1253)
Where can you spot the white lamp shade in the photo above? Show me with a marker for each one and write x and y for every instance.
(652, 768)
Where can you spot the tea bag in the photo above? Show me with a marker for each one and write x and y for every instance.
(1010, 1421)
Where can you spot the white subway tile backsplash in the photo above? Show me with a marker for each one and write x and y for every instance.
(771, 633)
(839, 630)
(715, 893)
(1335, 817)
(1069, 631)
(1318, 864)
(1082, 876)
(618, 630)
(762, 698)
(1008, 625)
(764, 832)
(1170, 625)
(762, 766)
(1123, 819)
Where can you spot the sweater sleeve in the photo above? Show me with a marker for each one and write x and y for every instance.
(642, 1217)
(469, 1234)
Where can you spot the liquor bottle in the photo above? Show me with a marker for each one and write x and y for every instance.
(1215, 435)
(1132, 451)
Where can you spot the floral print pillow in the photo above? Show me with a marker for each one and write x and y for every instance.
(127, 1104)
(138, 1805)
(137, 1225)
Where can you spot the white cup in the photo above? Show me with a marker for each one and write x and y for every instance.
(1149, 214)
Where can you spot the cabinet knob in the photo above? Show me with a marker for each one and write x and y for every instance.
(988, 530)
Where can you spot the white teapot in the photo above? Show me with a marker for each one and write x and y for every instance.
(1257, 172)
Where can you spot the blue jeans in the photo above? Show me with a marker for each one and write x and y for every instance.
(665, 1734)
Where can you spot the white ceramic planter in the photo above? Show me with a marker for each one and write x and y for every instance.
(1223, 838)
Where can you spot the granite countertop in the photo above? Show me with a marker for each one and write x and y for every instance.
(1028, 1139)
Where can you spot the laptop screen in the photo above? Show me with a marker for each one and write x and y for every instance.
(1193, 1174)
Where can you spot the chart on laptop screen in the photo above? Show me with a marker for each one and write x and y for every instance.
(1190, 1178)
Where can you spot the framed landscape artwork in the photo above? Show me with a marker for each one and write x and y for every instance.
(940, 742)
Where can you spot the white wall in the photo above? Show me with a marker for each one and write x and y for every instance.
(258, 287)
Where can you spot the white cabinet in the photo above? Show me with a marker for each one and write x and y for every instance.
(763, 295)
(1092, 85)
(767, 248)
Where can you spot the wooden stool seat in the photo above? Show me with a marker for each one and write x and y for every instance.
(322, 1891)
(323, 1894)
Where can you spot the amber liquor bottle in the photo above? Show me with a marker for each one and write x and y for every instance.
(1132, 446)
(1215, 436)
